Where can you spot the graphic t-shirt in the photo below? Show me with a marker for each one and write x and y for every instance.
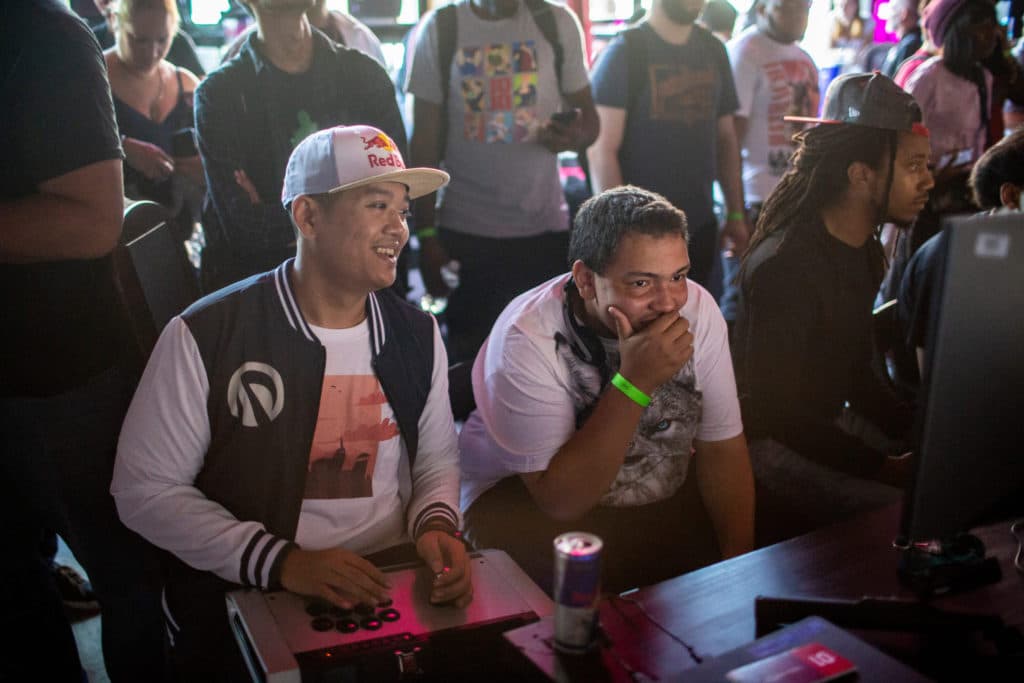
(498, 87)
(533, 391)
(502, 87)
(670, 141)
(773, 80)
(952, 109)
(355, 456)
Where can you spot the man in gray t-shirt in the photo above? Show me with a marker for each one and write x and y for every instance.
(488, 120)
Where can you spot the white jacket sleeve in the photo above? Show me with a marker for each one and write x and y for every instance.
(162, 448)
(435, 475)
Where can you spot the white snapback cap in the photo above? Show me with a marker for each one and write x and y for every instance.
(346, 157)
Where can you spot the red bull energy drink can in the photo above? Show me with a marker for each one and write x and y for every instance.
(577, 589)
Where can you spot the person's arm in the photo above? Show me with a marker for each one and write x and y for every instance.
(161, 450)
(580, 133)
(583, 469)
(191, 166)
(603, 155)
(426, 149)
(575, 89)
(726, 485)
(433, 506)
(730, 178)
(746, 73)
(76, 215)
(724, 477)
(250, 226)
(610, 78)
(741, 124)
(435, 475)
(66, 150)
(729, 167)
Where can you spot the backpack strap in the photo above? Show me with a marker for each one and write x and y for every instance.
(447, 35)
(542, 15)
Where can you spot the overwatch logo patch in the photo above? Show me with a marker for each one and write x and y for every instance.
(255, 394)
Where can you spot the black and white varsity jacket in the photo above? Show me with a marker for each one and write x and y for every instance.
(263, 369)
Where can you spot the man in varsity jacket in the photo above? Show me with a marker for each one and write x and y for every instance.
(291, 427)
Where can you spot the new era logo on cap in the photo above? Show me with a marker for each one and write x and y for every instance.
(346, 157)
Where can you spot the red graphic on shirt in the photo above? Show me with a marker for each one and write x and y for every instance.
(382, 431)
(683, 94)
(375, 398)
(793, 85)
(349, 430)
(501, 94)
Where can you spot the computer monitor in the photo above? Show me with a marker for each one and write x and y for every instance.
(970, 426)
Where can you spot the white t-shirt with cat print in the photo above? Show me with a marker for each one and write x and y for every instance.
(532, 391)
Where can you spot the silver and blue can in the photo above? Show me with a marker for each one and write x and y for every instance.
(577, 589)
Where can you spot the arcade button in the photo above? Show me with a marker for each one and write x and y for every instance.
(347, 625)
(371, 624)
(322, 624)
(388, 615)
(316, 608)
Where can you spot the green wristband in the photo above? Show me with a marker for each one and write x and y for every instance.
(429, 231)
(735, 216)
(635, 395)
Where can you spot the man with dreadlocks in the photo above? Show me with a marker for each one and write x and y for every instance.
(825, 431)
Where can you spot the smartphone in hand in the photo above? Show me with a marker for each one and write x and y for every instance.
(183, 143)
(565, 118)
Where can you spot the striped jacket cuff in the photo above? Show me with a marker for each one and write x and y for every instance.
(435, 516)
(260, 566)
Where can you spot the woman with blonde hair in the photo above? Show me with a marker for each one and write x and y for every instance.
(153, 106)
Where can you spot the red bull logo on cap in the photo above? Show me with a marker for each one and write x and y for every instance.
(382, 143)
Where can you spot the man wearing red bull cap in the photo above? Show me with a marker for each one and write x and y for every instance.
(294, 429)
(824, 429)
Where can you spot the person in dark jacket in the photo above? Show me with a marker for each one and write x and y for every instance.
(287, 82)
(824, 428)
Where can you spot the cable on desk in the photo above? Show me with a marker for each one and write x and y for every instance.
(634, 675)
(689, 648)
(1017, 529)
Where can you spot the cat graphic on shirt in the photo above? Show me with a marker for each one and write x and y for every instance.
(658, 455)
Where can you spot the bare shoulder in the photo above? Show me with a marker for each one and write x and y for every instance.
(189, 81)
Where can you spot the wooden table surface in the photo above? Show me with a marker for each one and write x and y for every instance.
(712, 610)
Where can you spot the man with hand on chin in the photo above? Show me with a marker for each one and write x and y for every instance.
(293, 430)
(606, 403)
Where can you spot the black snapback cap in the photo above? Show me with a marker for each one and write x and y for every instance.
(871, 100)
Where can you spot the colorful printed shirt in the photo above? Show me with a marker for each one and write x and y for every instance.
(501, 89)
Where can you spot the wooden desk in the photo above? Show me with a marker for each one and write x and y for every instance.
(712, 609)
